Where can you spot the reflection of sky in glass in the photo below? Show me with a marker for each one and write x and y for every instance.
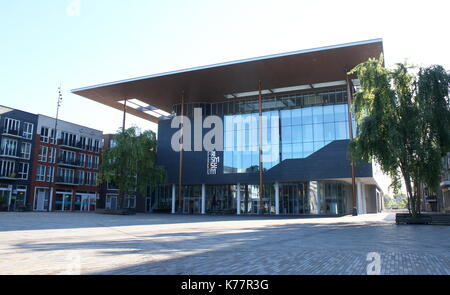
(302, 132)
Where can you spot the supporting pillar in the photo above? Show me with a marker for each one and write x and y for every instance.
(173, 198)
(180, 166)
(319, 204)
(277, 198)
(261, 185)
(359, 195)
(350, 132)
(50, 201)
(238, 199)
(203, 198)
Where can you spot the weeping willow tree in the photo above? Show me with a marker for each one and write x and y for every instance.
(403, 123)
(131, 163)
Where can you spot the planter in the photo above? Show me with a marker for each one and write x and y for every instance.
(402, 218)
(117, 212)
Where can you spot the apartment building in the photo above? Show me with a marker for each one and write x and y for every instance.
(17, 130)
(64, 176)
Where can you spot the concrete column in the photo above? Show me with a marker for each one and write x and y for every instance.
(238, 199)
(203, 198)
(173, 198)
(319, 208)
(50, 201)
(277, 198)
(359, 197)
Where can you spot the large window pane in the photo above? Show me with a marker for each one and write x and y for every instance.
(307, 131)
(317, 114)
(329, 133)
(296, 133)
(340, 112)
(296, 117)
(307, 116)
(308, 149)
(341, 130)
(318, 132)
(285, 117)
(328, 114)
(286, 133)
(297, 150)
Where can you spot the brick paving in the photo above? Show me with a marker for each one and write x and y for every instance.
(89, 243)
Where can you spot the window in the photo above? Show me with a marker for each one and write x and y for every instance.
(44, 134)
(67, 157)
(112, 143)
(50, 174)
(96, 145)
(89, 161)
(28, 130)
(68, 139)
(95, 164)
(129, 202)
(94, 179)
(40, 174)
(80, 177)
(11, 126)
(9, 147)
(88, 178)
(89, 144)
(25, 150)
(82, 160)
(52, 136)
(65, 175)
(51, 157)
(22, 172)
(7, 168)
(82, 143)
(43, 150)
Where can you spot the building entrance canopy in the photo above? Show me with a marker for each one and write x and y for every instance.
(156, 94)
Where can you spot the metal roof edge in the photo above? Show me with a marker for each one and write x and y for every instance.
(303, 51)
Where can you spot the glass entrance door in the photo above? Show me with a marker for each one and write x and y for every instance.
(5, 198)
(293, 199)
(42, 199)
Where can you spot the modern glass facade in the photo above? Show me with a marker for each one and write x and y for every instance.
(295, 130)
(295, 198)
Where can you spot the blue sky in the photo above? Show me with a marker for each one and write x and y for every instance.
(43, 44)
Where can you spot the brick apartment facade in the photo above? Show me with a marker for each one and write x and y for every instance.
(64, 175)
(17, 131)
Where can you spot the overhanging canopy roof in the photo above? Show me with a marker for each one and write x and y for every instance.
(212, 83)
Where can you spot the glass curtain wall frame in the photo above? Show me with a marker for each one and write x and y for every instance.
(294, 198)
(335, 197)
(221, 199)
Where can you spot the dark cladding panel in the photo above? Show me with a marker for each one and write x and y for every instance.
(329, 162)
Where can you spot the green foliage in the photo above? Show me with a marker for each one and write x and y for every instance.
(403, 123)
(130, 164)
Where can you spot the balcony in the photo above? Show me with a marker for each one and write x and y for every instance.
(66, 180)
(70, 163)
(79, 146)
(4, 153)
(11, 132)
(9, 176)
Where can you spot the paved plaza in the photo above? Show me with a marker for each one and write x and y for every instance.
(89, 243)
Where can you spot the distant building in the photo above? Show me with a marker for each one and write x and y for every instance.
(17, 131)
(65, 173)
